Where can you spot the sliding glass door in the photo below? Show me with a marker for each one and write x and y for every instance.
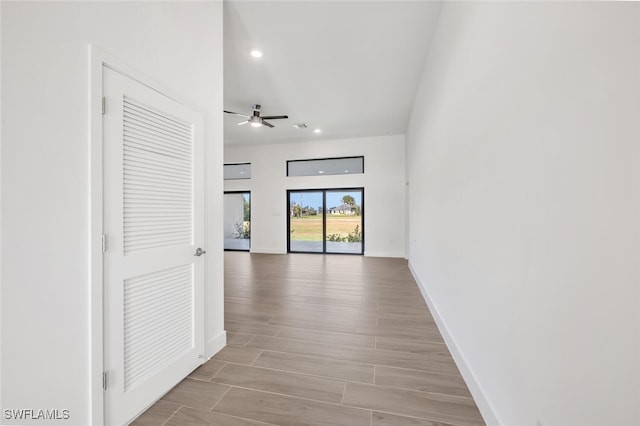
(305, 221)
(344, 221)
(326, 221)
(237, 221)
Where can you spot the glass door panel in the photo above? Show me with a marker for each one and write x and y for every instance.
(306, 221)
(344, 221)
(326, 221)
(237, 221)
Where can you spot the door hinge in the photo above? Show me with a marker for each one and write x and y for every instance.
(104, 105)
(104, 243)
(104, 380)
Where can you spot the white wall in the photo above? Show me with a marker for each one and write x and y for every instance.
(524, 166)
(0, 209)
(383, 182)
(45, 174)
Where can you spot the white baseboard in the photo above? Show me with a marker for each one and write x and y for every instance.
(383, 254)
(216, 344)
(479, 396)
(266, 251)
(366, 253)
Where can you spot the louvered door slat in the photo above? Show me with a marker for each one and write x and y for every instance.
(151, 113)
(143, 152)
(147, 116)
(132, 174)
(143, 186)
(149, 217)
(157, 319)
(159, 222)
(143, 190)
(158, 136)
(151, 165)
(150, 119)
(155, 290)
(144, 142)
(151, 230)
(157, 152)
(171, 161)
(154, 244)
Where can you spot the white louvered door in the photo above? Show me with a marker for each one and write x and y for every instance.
(153, 220)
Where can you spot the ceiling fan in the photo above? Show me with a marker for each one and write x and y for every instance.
(256, 120)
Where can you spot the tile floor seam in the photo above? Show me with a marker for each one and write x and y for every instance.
(172, 414)
(342, 345)
(404, 414)
(308, 329)
(217, 372)
(345, 359)
(258, 356)
(418, 369)
(221, 398)
(200, 380)
(375, 367)
(409, 416)
(296, 372)
(414, 369)
(292, 396)
(318, 356)
(419, 391)
(250, 340)
(240, 418)
(396, 413)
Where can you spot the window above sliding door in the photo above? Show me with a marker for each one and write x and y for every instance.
(326, 166)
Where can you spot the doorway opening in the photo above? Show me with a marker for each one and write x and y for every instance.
(326, 221)
(237, 221)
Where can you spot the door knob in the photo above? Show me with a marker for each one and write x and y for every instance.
(199, 252)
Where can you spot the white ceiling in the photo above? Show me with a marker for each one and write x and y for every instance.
(348, 68)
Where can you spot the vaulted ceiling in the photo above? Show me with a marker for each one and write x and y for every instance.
(347, 68)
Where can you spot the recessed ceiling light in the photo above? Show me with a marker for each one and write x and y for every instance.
(346, 171)
(317, 131)
(256, 53)
(321, 172)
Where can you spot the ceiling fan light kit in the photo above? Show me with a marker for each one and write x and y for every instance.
(256, 120)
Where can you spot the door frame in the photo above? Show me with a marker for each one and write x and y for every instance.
(99, 59)
(241, 192)
(324, 219)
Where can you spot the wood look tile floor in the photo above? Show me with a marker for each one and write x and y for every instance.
(322, 340)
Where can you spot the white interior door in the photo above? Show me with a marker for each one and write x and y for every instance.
(153, 220)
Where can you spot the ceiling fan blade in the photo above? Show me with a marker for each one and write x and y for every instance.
(243, 122)
(275, 117)
(267, 124)
(235, 113)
